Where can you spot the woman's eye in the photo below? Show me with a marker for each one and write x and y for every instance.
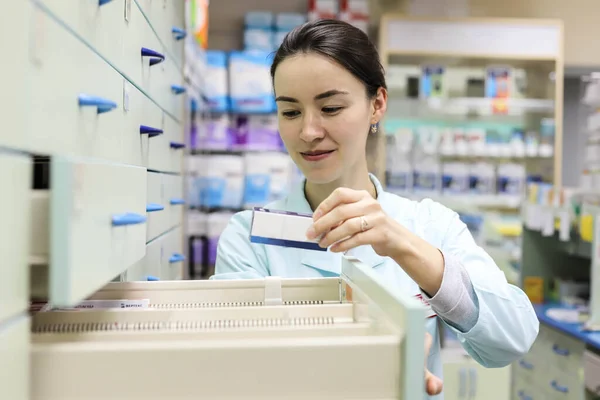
(331, 110)
(290, 114)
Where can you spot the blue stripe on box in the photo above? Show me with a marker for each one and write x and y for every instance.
(287, 243)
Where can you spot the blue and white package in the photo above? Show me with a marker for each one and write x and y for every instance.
(482, 178)
(256, 39)
(259, 19)
(250, 85)
(257, 181)
(511, 179)
(455, 178)
(222, 181)
(288, 21)
(282, 228)
(216, 90)
(280, 171)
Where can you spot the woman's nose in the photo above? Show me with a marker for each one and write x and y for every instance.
(311, 130)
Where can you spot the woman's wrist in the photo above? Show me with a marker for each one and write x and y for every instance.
(423, 262)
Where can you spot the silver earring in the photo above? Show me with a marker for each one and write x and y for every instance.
(374, 127)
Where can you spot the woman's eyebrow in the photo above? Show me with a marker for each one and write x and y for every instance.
(320, 96)
(329, 93)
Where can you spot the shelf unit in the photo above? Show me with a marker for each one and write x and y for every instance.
(534, 45)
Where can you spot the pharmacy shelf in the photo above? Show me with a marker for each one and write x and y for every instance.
(467, 201)
(468, 106)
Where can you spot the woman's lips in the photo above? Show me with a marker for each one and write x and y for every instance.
(316, 155)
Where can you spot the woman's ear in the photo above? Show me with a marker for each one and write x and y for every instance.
(379, 105)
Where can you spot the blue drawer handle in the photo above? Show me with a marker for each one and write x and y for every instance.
(102, 105)
(177, 89)
(176, 202)
(176, 257)
(155, 56)
(523, 396)
(559, 351)
(151, 207)
(178, 33)
(152, 278)
(177, 145)
(128, 219)
(558, 388)
(150, 131)
(525, 364)
(103, 2)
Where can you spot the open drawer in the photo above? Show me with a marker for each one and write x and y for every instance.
(89, 226)
(366, 343)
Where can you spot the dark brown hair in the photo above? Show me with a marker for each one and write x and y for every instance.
(343, 43)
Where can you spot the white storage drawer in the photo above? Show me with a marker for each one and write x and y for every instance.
(102, 26)
(146, 63)
(14, 359)
(14, 79)
(148, 267)
(174, 260)
(76, 108)
(166, 150)
(15, 178)
(175, 134)
(164, 259)
(98, 225)
(591, 369)
(165, 205)
(167, 19)
(347, 346)
(118, 31)
(175, 199)
(157, 207)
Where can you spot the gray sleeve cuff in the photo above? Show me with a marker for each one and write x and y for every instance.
(456, 301)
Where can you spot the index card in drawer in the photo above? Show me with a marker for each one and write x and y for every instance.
(97, 228)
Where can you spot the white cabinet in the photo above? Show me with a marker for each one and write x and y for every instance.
(465, 379)
(552, 370)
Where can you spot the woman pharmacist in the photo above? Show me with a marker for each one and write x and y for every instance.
(331, 94)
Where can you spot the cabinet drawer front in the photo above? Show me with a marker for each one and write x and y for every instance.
(15, 177)
(154, 72)
(175, 199)
(175, 134)
(174, 259)
(164, 16)
(14, 79)
(166, 150)
(101, 26)
(523, 390)
(150, 265)
(76, 109)
(98, 225)
(564, 354)
(14, 359)
(157, 208)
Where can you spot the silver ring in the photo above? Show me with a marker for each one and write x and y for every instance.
(363, 224)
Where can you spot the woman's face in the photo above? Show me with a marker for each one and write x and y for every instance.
(324, 116)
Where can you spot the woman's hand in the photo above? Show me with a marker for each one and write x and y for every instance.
(351, 218)
(433, 384)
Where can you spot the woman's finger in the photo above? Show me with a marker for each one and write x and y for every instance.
(344, 231)
(433, 384)
(335, 217)
(356, 240)
(339, 196)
